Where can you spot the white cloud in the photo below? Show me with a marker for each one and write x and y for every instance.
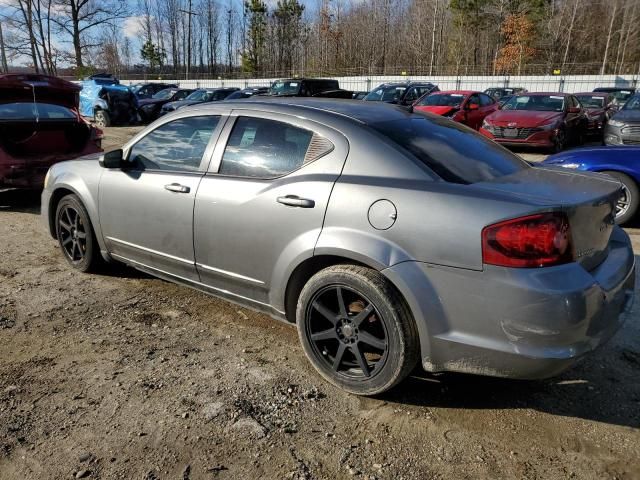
(132, 26)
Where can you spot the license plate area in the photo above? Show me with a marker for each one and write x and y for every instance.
(510, 132)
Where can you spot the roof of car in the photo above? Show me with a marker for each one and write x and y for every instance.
(537, 94)
(613, 89)
(593, 94)
(363, 112)
(461, 92)
(405, 84)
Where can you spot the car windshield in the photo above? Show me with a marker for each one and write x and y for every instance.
(591, 101)
(164, 94)
(442, 100)
(385, 94)
(620, 96)
(542, 103)
(33, 111)
(198, 95)
(285, 88)
(632, 104)
(451, 150)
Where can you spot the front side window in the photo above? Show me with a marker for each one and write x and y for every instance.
(486, 100)
(474, 100)
(263, 148)
(175, 146)
(450, 150)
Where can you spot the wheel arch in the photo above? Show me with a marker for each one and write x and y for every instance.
(63, 189)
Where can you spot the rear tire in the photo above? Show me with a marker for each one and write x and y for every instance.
(75, 234)
(102, 119)
(356, 330)
(628, 204)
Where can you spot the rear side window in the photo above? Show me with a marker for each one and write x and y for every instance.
(263, 148)
(450, 150)
(174, 146)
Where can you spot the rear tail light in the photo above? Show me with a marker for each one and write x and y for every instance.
(538, 240)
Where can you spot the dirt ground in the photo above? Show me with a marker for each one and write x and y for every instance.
(120, 375)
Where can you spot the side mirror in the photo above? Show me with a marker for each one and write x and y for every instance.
(112, 159)
(473, 106)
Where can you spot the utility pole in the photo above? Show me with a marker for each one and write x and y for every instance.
(4, 68)
(190, 13)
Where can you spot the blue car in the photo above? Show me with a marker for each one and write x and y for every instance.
(108, 103)
(622, 163)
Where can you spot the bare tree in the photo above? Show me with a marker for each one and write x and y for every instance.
(80, 18)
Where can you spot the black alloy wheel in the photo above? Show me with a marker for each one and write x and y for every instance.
(346, 332)
(75, 234)
(356, 329)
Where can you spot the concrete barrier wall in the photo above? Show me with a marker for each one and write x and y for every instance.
(542, 83)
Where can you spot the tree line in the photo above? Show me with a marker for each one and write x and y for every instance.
(210, 38)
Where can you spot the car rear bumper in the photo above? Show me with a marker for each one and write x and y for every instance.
(517, 323)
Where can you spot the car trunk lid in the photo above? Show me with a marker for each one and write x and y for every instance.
(588, 200)
(38, 88)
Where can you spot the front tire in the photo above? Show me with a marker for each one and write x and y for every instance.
(75, 234)
(627, 206)
(356, 330)
(102, 119)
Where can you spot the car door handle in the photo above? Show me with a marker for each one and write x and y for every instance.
(295, 201)
(176, 187)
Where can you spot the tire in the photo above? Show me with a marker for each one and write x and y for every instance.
(102, 119)
(373, 321)
(560, 141)
(628, 205)
(75, 234)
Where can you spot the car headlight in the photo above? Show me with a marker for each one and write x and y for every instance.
(615, 123)
(570, 165)
(487, 126)
(549, 126)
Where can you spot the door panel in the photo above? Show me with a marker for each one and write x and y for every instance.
(146, 209)
(144, 222)
(248, 228)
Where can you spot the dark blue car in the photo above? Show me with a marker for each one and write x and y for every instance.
(622, 163)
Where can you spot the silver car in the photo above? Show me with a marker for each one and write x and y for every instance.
(624, 127)
(388, 237)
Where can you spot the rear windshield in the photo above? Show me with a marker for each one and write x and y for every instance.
(33, 111)
(452, 151)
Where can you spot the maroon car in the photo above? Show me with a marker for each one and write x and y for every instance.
(549, 120)
(599, 107)
(39, 126)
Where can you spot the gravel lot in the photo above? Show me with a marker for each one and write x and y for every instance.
(121, 375)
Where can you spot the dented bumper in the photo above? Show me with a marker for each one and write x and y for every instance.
(519, 323)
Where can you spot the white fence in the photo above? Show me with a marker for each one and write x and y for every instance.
(542, 83)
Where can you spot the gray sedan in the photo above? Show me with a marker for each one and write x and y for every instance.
(388, 237)
(624, 127)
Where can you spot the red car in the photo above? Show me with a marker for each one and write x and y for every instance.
(463, 106)
(599, 107)
(39, 126)
(549, 120)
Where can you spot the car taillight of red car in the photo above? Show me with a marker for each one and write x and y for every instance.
(97, 136)
(539, 240)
